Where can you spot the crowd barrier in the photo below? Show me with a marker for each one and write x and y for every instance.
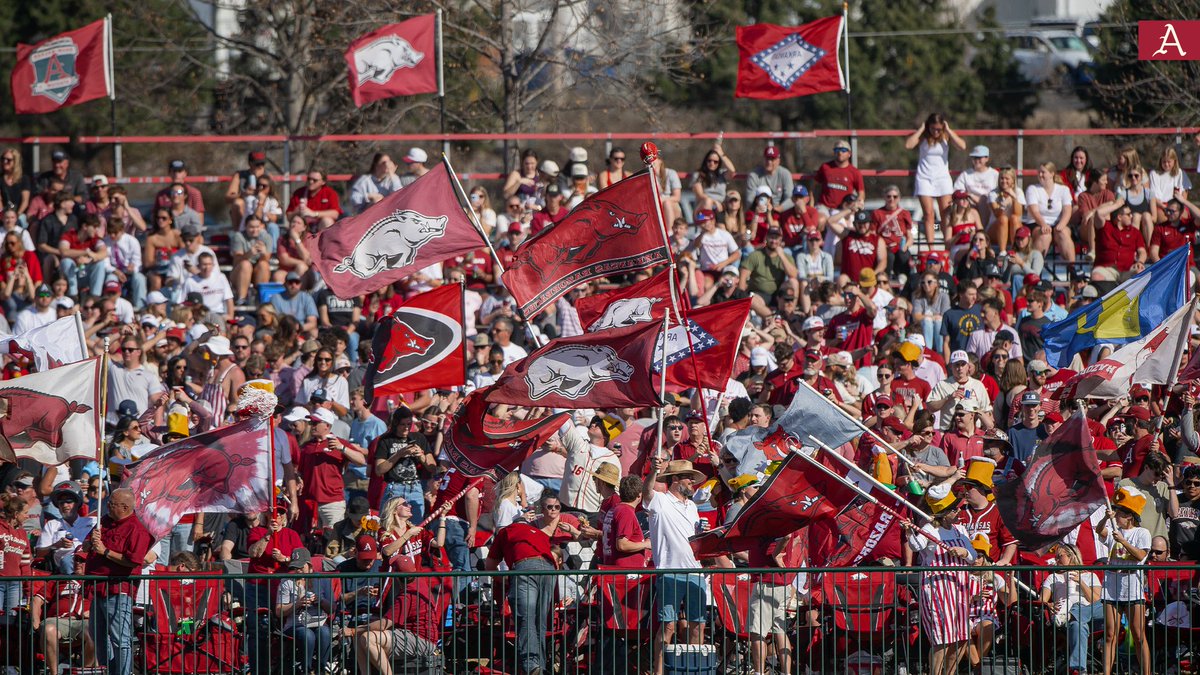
(856, 620)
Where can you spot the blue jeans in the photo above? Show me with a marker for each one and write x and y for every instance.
(932, 331)
(532, 596)
(178, 541)
(1079, 628)
(458, 551)
(135, 286)
(411, 492)
(551, 484)
(112, 629)
(93, 275)
(258, 634)
(10, 599)
(308, 641)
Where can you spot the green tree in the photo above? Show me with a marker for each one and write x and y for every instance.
(1008, 97)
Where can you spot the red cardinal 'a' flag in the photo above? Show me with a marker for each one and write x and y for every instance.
(609, 369)
(399, 59)
(1060, 488)
(479, 444)
(611, 232)
(798, 493)
(784, 61)
(410, 229)
(716, 333)
(647, 301)
(227, 470)
(53, 416)
(420, 345)
(67, 69)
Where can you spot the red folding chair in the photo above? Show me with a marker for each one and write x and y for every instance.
(866, 612)
(185, 630)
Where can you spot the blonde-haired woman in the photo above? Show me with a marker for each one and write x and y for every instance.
(1008, 207)
(399, 537)
(1049, 204)
(1167, 179)
(1075, 597)
(1127, 160)
(509, 502)
(933, 180)
(481, 204)
(15, 186)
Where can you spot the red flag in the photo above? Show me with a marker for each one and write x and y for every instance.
(399, 59)
(1060, 488)
(227, 470)
(420, 345)
(647, 301)
(797, 494)
(716, 332)
(479, 444)
(613, 231)
(862, 532)
(418, 226)
(53, 416)
(609, 369)
(67, 69)
(784, 61)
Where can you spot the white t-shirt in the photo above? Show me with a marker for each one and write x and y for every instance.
(215, 290)
(125, 384)
(1162, 185)
(977, 183)
(1050, 205)
(512, 353)
(29, 318)
(973, 389)
(714, 247)
(1066, 595)
(672, 522)
(1125, 586)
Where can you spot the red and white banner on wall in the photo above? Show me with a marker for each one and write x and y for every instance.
(1168, 40)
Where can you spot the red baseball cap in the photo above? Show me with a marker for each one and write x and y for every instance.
(1137, 391)
(366, 548)
(1054, 417)
(772, 152)
(895, 425)
(1138, 412)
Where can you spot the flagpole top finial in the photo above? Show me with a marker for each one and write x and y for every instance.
(649, 152)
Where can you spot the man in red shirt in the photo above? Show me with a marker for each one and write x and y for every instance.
(963, 442)
(980, 515)
(781, 383)
(624, 545)
(270, 550)
(84, 256)
(852, 329)
(316, 201)
(322, 461)
(117, 549)
(525, 547)
(58, 614)
(1174, 233)
(862, 248)
(1120, 248)
(893, 224)
(1133, 452)
(800, 220)
(839, 179)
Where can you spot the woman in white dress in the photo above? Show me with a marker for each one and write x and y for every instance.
(1048, 212)
(1124, 591)
(933, 168)
(1166, 180)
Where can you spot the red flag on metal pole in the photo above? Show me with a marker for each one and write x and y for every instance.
(399, 59)
(64, 70)
(420, 345)
(479, 444)
(777, 62)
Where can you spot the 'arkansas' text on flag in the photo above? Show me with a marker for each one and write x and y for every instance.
(646, 301)
(613, 231)
(479, 444)
(716, 333)
(399, 59)
(227, 470)
(63, 70)
(54, 416)
(609, 369)
(777, 62)
(409, 229)
(420, 345)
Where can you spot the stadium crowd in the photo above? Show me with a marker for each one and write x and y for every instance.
(927, 329)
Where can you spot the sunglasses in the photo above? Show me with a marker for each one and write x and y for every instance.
(1154, 552)
(553, 507)
(321, 360)
(131, 349)
(1192, 483)
(675, 427)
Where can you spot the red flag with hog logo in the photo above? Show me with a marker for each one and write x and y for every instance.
(480, 444)
(646, 301)
(53, 416)
(613, 231)
(399, 59)
(408, 230)
(608, 369)
(227, 470)
(420, 345)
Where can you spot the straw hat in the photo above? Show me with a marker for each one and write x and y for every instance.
(608, 473)
(680, 467)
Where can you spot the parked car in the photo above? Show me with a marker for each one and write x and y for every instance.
(1052, 57)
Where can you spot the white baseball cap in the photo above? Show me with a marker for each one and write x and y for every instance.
(959, 356)
(812, 323)
(155, 298)
(416, 156)
(296, 414)
(323, 415)
(219, 345)
(981, 151)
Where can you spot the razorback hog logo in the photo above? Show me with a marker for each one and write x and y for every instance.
(215, 472)
(35, 416)
(572, 371)
(626, 312)
(597, 222)
(403, 341)
(392, 242)
(380, 59)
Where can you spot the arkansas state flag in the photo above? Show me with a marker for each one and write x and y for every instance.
(716, 332)
(224, 471)
(1060, 488)
(613, 231)
(410, 229)
(53, 416)
(420, 345)
(67, 69)
(777, 62)
(399, 59)
(646, 301)
(609, 369)
(479, 444)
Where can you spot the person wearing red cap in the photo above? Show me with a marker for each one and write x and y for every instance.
(360, 594)
(774, 177)
(1133, 452)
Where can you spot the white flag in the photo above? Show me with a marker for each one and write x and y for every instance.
(57, 343)
(53, 416)
(1153, 359)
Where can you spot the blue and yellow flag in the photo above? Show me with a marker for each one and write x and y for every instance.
(1125, 314)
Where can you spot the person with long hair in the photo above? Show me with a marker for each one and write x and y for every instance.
(1024, 259)
(960, 224)
(379, 181)
(264, 205)
(1166, 179)
(1124, 592)
(15, 186)
(975, 258)
(290, 251)
(1128, 159)
(930, 302)
(508, 500)
(945, 594)
(524, 181)
(20, 272)
(403, 459)
(614, 169)
(933, 182)
(710, 183)
(1049, 212)
(1141, 202)
(17, 556)
(163, 242)
(1008, 207)
(732, 217)
(669, 188)
(400, 537)
(1074, 597)
(481, 204)
(1075, 174)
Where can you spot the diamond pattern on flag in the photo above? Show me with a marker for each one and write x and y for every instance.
(677, 344)
(787, 60)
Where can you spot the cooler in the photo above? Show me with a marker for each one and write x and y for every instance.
(690, 660)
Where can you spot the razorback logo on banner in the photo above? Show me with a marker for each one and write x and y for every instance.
(395, 60)
(646, 301)
(53, 416)
(611, 232)
(479, 444)
(420, 345)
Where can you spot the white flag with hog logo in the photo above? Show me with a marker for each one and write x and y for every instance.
(53, 416)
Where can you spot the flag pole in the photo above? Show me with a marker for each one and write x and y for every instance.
(100, 452)
(1180, 347)
(870, 432)
(846, 52)
(82, 337)
(441, 85)
(110, 72)
(854, 467)
(662, 388)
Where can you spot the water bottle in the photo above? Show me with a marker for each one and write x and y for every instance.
(252, 182)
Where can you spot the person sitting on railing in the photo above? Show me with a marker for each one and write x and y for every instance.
(58, 615)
